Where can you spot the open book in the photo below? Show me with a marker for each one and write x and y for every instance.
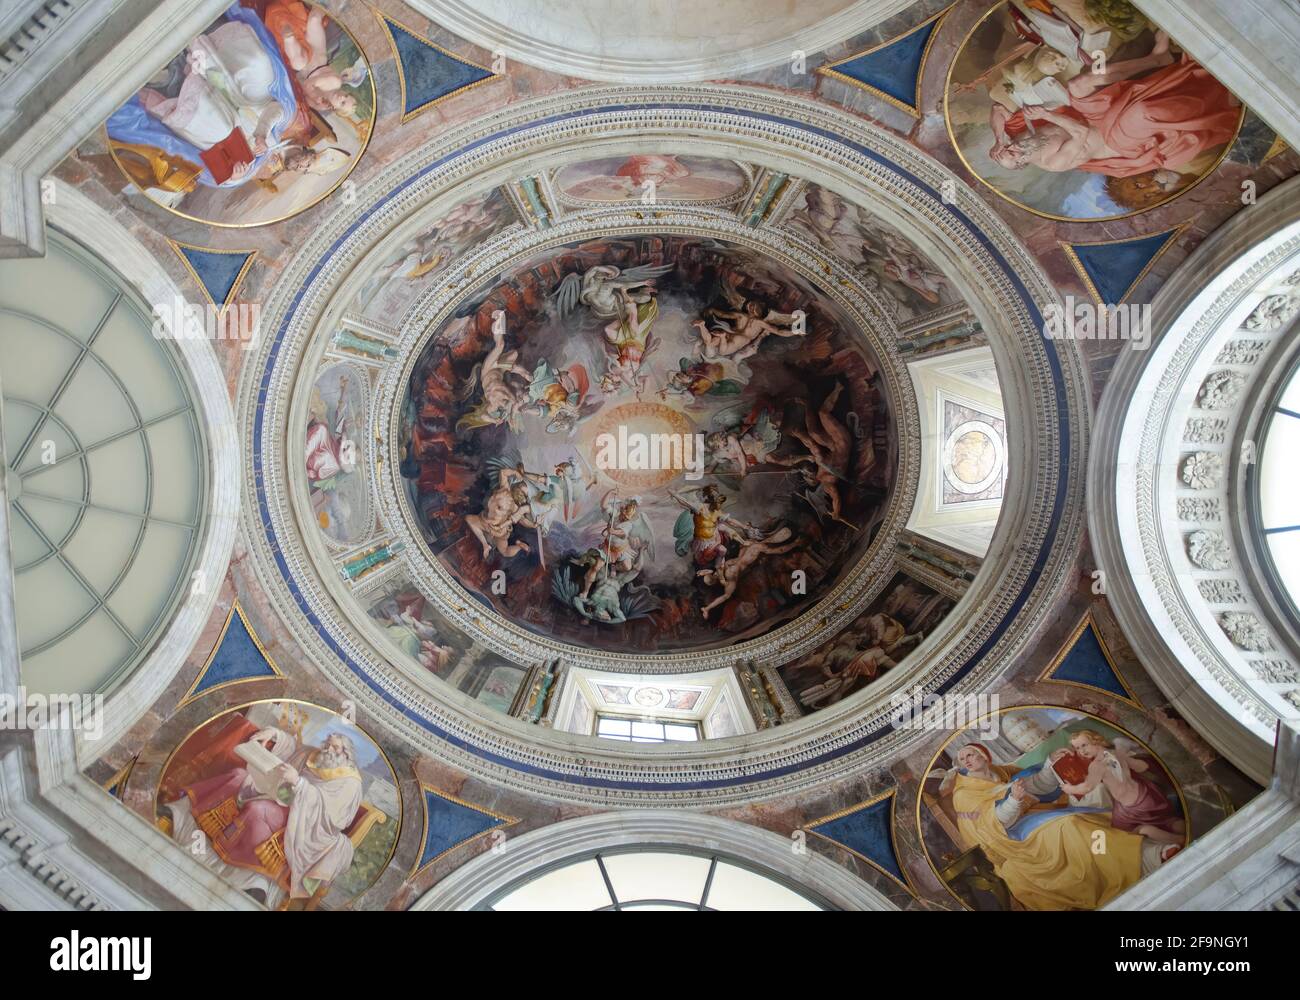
(1047, 93)
(263, 766)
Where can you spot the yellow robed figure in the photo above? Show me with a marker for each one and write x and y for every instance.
(1053, 867)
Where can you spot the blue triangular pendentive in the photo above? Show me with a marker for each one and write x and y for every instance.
(238, 657)
(892, 69)
(867, 830)
(1085, 662)
(116, 785)
(450, 822)
(428, 73)
(218, 272)
(1112, 269)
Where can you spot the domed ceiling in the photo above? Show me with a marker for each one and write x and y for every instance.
(741, 409)
(648, 444)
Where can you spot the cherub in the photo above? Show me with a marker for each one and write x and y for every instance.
(749, 327)
(300, 32)
(1138, 804)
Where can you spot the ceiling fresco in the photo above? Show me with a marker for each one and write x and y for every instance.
(659, 443)
(541, 379)
(652, 179)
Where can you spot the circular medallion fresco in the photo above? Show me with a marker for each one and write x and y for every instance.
(972, 457)
(1017, 798)
(646, 444)
(1084, 109)
(289, 802)
(257, 119)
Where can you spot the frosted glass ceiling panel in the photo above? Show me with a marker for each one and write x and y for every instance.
(106, 470)
(578, 886)
(737, 889)
(60, 288)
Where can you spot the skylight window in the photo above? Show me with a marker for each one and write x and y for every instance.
(1279, 505)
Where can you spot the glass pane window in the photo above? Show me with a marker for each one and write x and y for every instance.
(1279, 511)
(610, 727)
(661, 879)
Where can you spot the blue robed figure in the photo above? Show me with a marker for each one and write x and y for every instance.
(235, 103)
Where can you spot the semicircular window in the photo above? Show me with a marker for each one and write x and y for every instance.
(1279, 504)
(105, 474)
(663, 879)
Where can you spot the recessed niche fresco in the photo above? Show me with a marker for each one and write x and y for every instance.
(893, 625)
(415, 629)
(908, 283)
(290, 802)
(415, 265)
(651, 178)
(257, 119)
(648, 444)
(336, 449)
(1080, 110)
(1047, 808)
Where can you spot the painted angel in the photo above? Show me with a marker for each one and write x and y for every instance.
(599, 289)
(745, 438)
(738, 332)
(560, 396)
(628, 342)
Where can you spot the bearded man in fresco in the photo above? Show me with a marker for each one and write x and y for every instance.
(277, 827)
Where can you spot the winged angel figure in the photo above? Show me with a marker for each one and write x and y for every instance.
(593, 583)
(599, 289)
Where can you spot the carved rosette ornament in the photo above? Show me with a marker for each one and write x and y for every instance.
(1220, 390)
(1245, 630)
(1275, 312)
(1203, 470)
(1208, 550)
(1176, 437)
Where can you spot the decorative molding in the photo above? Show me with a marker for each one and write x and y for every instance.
(1029, 559)
(83, 220)
(98, 62)
(475, 884)
(1170, 430)
(608, 60)
(1252, 46)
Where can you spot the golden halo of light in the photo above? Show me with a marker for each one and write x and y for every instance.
(639, 418)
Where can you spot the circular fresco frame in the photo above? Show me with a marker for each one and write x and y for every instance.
(240, 706)
(323, 196)
(859, 582)
(974, 724)
(956, 146)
